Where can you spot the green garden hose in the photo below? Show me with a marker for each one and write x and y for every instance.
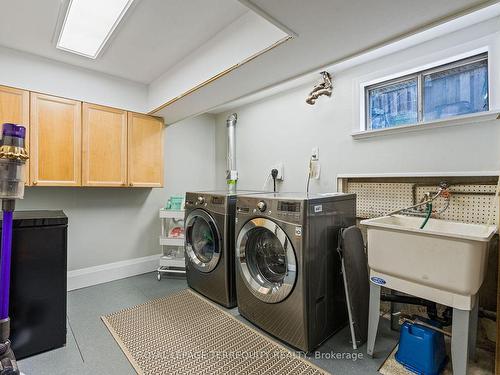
(428, 216)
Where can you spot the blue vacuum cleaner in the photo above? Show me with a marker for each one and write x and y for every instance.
(13, 156)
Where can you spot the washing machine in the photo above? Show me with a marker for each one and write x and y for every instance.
(288, 272)
(209, 245)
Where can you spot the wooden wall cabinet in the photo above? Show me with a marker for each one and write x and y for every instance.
(55, 141)
(104, 146)
(145, 150)
(15, 108)
(71, 143)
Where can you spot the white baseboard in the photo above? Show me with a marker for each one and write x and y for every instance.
(104, 273)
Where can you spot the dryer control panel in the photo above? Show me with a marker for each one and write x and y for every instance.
(286, 206)
(207, 201)
(288, 210)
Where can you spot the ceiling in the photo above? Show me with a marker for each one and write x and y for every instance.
(328, 31)
(154, 35)
(157, 34)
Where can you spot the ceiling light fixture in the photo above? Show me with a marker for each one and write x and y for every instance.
(88, 25)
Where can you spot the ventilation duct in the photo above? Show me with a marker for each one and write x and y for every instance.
(231, 172)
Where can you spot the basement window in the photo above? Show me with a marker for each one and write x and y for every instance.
(445, 91)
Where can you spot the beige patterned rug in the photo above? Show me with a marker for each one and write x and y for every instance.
(184, 333)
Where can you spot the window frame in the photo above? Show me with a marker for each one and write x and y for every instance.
(379, 85)
(419, 73)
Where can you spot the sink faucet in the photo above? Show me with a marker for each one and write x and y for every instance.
(443, 191)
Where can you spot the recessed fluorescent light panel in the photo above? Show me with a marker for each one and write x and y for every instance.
(89, 24)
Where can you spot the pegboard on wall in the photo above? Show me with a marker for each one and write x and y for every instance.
(379, 198)
(468, 203)
(472, 198)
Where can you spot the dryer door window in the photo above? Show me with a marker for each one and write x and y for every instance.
(202, 241)
(266, 260)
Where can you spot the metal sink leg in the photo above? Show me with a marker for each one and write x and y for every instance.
(373, 317)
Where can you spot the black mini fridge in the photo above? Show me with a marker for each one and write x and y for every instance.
(38, 282)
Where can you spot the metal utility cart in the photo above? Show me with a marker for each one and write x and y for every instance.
(172, 259)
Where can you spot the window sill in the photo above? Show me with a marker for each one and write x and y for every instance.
(452, 121)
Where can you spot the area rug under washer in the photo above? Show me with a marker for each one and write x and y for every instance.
(184, 333)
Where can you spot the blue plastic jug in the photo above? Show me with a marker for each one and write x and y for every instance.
(421, 349)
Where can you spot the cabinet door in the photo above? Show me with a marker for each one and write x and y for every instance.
(15, 108)
(55, 141)
(145, 150)
(104, 146)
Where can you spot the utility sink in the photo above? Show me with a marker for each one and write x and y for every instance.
(445, 262)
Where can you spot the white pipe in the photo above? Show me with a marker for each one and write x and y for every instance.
(231, 172)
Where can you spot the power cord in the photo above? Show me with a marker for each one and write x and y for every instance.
(274, 174)
(309, 176)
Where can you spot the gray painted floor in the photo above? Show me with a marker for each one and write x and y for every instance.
(92, 350)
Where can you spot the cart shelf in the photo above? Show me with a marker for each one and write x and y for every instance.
(172, 260)
(171, 241)
(170, 214)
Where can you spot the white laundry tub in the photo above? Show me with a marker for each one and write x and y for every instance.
(445, 262)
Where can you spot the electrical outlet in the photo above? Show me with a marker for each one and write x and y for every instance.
(315, 153)
(279, 167)
(315, 170)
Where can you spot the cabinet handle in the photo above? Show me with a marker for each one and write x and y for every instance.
(35, 182)
(131, 184)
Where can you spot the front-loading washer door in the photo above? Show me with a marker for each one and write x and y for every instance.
(266, 260)
(203, 242)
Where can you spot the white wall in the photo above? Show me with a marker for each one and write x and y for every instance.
(285, 128)
(109, 225)
(112, 224)
(35, 73)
